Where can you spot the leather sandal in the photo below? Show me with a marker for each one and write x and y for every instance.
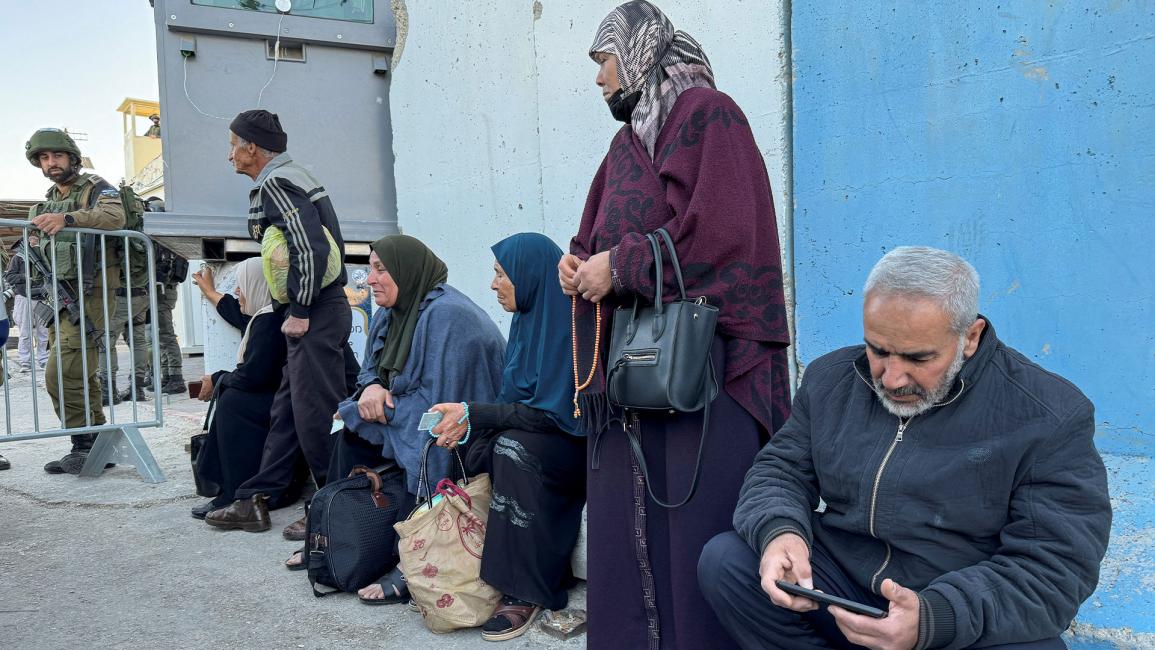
(511, 619)
(394, 587)
(297, 566)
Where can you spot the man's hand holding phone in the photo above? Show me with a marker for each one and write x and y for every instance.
(787, 558)
(898, 631)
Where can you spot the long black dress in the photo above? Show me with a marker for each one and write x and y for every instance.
(539, 490)
(236, 437)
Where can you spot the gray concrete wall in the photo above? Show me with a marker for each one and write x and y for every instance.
(498, 126)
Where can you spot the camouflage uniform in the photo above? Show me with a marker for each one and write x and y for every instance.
(89, 202)
(170, 356)
(118, 327)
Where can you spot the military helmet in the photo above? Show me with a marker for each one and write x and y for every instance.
(49, 140)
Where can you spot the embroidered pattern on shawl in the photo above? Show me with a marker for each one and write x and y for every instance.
(710, 189)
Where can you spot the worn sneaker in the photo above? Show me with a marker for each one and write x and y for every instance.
(25, 368)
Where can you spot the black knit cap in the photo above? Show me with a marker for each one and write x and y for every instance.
(262, 128)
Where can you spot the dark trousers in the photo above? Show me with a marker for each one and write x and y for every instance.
(312, 386)
(728, 573)
(351, 450)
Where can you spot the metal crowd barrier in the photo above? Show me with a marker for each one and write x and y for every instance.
(119, 439)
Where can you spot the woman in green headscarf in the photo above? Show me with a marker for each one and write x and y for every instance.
(428, 343)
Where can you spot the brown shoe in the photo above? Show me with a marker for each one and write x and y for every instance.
(295, 532)
(243, 514)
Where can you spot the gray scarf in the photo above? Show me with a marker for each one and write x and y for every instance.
(653, 59)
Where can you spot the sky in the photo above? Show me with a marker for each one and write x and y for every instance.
(69, 64)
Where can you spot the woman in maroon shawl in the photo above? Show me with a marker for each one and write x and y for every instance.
(685, 160)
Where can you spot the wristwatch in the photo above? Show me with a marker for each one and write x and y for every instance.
(69, 220)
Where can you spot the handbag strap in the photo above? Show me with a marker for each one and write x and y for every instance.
(212, 407)
(665, 235)
(448, 488)
(380, 499)
(659, 321)
(636, 448)
(658, 280)
(423, 476)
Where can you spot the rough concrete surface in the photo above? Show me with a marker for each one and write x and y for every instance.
(113, 562)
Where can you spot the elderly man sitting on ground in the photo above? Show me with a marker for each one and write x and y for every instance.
(963, 492)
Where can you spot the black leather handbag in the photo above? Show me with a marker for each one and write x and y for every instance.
(659, 357)
(204, 487)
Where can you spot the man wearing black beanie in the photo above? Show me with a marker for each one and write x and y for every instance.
(288, 197)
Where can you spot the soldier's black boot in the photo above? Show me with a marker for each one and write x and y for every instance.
(109, 396)
(172, 385)
(141, 396)
(74, 461)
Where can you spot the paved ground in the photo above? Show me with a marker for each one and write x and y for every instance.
(115, 562)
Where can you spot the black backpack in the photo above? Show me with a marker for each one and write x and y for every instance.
(349, 540)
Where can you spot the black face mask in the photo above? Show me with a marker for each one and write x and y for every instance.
(622, 105)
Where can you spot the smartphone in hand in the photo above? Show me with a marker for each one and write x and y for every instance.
(820, 597)
(429, 420)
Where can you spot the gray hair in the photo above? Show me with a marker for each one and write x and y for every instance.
(265, 152)
(930, 273)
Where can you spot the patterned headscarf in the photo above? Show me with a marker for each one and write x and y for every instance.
(653, 59)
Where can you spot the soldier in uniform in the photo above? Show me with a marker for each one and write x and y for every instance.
(136, 308)
(172, 377)
(86, 201)
(154, 130)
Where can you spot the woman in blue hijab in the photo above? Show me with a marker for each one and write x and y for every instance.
(528, 442)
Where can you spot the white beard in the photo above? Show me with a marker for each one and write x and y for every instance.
(929, 399)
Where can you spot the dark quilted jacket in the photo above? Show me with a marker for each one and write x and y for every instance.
(993, 505)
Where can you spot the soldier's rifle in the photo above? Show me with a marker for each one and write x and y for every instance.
(66, 297)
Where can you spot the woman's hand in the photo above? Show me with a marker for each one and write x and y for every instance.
(452, 426)
(206, 282)
(206, 393)
(592, 277)
(566, 267)
(372, 403)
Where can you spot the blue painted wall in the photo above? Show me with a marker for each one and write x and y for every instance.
(1020, 135)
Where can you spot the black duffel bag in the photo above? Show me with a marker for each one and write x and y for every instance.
(349, 540)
